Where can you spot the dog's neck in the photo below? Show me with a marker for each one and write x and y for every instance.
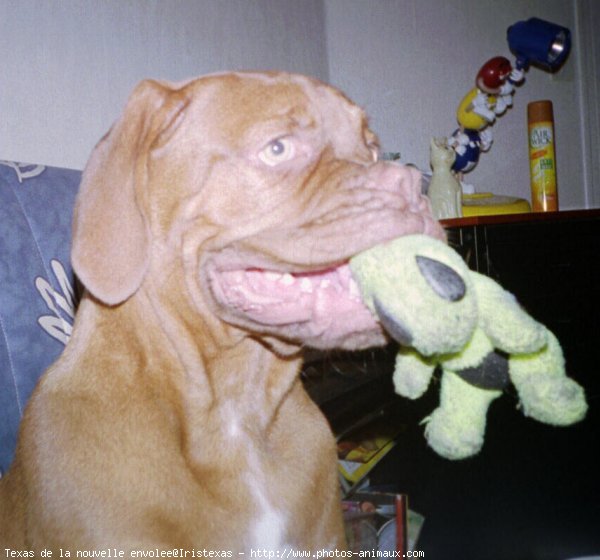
(212, 369)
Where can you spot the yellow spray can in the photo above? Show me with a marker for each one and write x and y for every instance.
(542, 157)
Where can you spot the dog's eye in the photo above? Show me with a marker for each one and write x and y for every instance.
(277, 151)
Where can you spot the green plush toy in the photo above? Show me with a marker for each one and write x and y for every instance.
(444, 314)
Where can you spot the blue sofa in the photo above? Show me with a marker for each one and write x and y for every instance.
(37, 287)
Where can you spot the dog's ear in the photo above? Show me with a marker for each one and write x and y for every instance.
(111, 234)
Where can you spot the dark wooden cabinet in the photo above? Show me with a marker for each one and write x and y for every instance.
(551, 262)
(533, 492)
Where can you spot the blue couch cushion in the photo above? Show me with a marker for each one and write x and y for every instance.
(37, 294)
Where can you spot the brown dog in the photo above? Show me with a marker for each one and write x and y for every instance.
(211, 231)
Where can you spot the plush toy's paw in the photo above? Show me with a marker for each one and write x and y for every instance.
(449, 438)
(556, 401)
(412, 373)
(545, 392)
(455, 430)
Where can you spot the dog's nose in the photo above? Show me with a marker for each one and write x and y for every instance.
(444, 281)
(399, 179)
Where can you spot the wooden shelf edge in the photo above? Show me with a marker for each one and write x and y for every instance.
(525, 217)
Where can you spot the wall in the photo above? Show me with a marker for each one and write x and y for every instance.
(68, 65)
(410, 62)
(588, 50)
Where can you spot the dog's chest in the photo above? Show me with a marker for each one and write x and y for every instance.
(269, 524)
(269, 528)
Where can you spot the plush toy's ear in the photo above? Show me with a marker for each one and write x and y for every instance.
(111, 236)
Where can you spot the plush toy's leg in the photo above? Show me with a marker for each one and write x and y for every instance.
(412, 373)
(546, 393)
(504, 321)
(456, 428)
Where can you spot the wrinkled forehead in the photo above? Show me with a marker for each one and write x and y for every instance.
(240, 105)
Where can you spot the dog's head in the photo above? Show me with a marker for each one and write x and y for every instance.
(251, 191)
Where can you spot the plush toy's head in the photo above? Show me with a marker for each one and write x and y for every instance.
(421, 292)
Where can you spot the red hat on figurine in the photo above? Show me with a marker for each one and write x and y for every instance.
(493, 74)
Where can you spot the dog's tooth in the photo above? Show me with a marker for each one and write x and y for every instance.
(337, 281)
(236, 276)
(273, 276)
(287, 279)
(306, 286)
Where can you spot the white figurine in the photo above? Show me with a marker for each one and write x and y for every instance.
(445, 192)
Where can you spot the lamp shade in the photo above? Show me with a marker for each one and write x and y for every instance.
(539, 42)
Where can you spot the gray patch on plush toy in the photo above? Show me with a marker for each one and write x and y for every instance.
(492, 373)
(393, 326)
(444, 281)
